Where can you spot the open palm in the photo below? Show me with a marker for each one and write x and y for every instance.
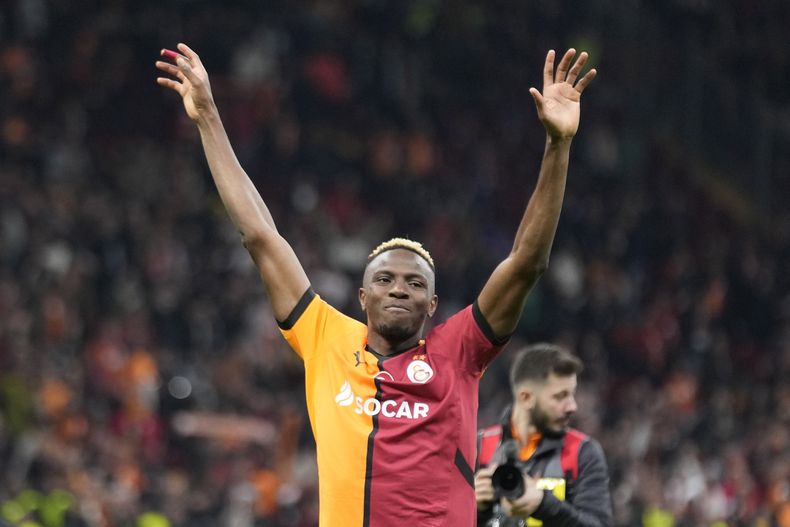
(558, 105)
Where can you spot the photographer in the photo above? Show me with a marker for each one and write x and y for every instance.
(565, 478)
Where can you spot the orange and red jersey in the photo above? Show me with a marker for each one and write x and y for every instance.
(395, 435)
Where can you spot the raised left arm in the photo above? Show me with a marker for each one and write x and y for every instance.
(502, 299)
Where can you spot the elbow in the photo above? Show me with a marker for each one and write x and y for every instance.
(531, 268)
(256, 240)
(532, 273)
(539, 267)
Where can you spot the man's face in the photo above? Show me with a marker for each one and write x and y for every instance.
(555, 403)
(397, 294)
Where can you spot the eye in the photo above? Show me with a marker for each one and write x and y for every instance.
(417, 285)
(383, 280)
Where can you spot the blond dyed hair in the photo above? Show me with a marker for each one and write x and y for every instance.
(403, 243)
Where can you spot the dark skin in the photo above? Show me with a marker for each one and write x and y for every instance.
(397, 295)
(501, 300)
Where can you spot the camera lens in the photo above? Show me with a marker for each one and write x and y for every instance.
(508, 481)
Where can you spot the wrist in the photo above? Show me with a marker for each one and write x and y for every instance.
(207, 117)
(558, 141)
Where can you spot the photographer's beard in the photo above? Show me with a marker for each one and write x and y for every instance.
(547, 426)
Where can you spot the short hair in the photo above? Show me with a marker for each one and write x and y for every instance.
(535, 362)
(403, 243)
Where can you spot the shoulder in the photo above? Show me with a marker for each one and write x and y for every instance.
(466, 323)
(576, 436)
(313, 321)
(590, 451)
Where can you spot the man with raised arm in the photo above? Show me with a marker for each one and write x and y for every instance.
(393, 412)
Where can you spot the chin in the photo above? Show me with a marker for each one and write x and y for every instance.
(554, 431)
(395, 333)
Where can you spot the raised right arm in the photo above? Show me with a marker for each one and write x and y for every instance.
(282, 274)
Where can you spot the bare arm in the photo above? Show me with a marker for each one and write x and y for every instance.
(282, 274)
(502, 299)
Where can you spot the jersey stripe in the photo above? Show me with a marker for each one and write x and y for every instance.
(464, 468)
(369, 461)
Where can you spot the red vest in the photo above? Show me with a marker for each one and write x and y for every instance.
(491, 437)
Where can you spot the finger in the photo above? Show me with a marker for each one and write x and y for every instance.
(484, 495)
(488, 471)
(548, 69)
(172, 70)
(168, 68)
(577, 68)
(189, 52)
(483, 482)
(536, 95)
(484, 486)
(169, 83)
(586, 80)
(565, 62)
(185, 68)
(168, 54)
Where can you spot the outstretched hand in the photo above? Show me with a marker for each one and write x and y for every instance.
(558, 105)
(192, 81)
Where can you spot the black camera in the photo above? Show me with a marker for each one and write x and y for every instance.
(508, 481)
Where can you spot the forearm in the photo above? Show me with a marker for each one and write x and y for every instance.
(239, 195)
(502, 298)
(535, 234)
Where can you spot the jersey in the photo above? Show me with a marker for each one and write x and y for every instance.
(395, 436)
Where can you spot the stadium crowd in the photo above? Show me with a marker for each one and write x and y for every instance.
(140, 368)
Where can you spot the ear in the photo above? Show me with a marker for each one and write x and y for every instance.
(526, 397)
(432, 306)
(363, 297)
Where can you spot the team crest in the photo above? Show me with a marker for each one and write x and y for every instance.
(419, 372)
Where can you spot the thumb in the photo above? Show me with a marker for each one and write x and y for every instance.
(536, 95)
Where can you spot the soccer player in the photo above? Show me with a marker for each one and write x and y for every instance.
(393, 414)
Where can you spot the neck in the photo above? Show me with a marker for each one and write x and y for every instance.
(521, 422)
(383, 346)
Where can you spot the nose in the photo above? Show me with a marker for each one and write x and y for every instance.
(571, 407)
(398, 290)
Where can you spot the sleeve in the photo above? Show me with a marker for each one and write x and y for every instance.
(310, 323)
(590, 504)
(469, 338)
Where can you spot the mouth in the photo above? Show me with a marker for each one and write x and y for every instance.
(396, 309)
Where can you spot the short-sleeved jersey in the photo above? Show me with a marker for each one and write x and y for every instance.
(395, 435)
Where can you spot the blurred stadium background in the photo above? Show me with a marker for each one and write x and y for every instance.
(142, 379)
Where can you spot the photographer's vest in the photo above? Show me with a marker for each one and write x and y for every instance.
(558, 468)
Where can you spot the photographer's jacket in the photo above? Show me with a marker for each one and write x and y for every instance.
(575, 479)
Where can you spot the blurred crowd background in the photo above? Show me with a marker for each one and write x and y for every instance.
(143, 380)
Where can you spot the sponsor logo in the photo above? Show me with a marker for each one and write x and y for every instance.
(419, 371)
(390, 408)
(346, 396)
(384, 376)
